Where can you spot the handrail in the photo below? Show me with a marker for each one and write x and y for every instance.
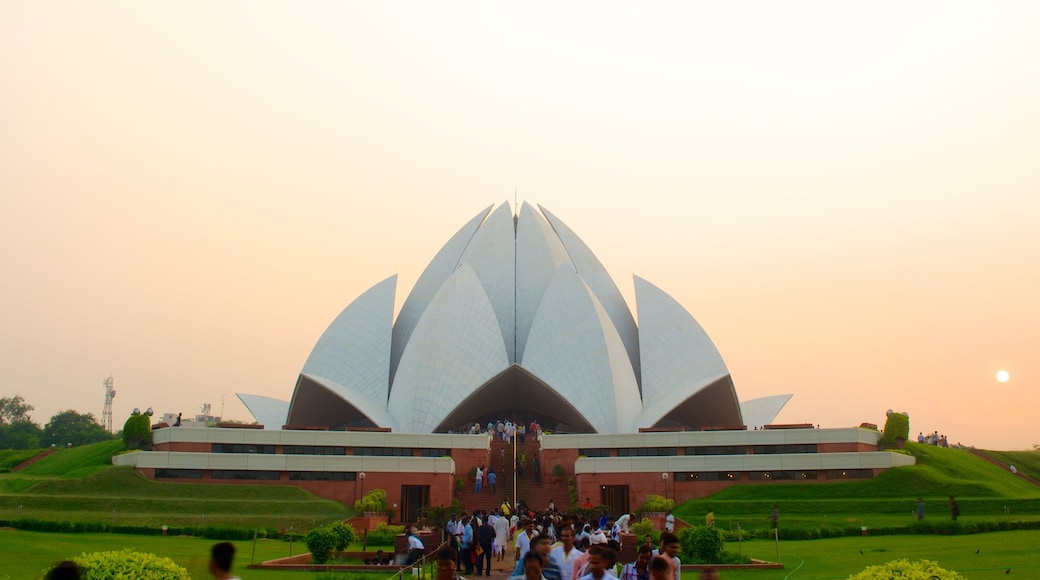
(399, 575)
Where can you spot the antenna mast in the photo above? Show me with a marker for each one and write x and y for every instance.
(106, 414)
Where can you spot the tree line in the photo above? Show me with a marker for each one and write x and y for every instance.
(19, 431)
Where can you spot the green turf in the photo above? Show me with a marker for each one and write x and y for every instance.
(839, 557)
(75, 462)
(983, 491)
(121, 496)
(13, 457)
(1026, 462)
(29, 554)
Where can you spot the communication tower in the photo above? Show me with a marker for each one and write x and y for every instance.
(106, 414)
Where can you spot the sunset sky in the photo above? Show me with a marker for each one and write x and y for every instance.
(844, 194)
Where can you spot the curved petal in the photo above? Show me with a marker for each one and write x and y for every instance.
(429, 283)
(491, 255)
(455, 348)
(575, 349)
(267, 411)
(603, 286)
(539, 253)
(354, 351)
(678, 361)
(763, 410)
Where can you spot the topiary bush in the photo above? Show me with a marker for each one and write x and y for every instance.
(128, 564)
(897, 431)
(373, 501)
(320, 543)
(702, 544)
(657, 503)
(345, 534)
(137, 431)
(384, 535)
(645, 527)
(915, 570)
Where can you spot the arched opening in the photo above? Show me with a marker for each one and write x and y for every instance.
(517, 395)
(715, 405)
(323, 408)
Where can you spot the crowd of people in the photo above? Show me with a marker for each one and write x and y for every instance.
(550, 545)
(505, 430)
(933, 438)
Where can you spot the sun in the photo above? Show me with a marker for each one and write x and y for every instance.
(1003, 376)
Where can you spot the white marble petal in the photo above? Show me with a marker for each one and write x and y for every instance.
(539, 254)
(455, 348)
(355, 349)
(763, 410)
(678, 357)
(603, 286)
(267, 411)
(491, 254)
(575, 349)
(431, 280)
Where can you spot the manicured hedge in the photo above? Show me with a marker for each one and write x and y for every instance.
(209, 532)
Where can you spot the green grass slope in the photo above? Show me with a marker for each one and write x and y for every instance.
(983, 490)
(1027, 462)
(81, 485)
(75, 462)
(10, 458)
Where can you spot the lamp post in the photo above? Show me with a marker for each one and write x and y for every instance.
(664, 477)
(361, 476)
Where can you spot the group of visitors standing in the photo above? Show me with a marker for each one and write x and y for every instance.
(549, 545)
(506, 430)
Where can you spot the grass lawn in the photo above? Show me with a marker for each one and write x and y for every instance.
(80, 485)
(839, 557)
(29, 554)
(983, 491)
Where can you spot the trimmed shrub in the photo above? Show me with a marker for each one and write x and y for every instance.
(373, 501)
(656, 503)
(916, 570)
(320, 543)
(703, 544)
(897, 429)
(129, 564)
(137, 431)
(384, 535)
(344, 533)
(644, 528)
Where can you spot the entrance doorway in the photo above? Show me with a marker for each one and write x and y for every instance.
(615, 497)
(413, 498)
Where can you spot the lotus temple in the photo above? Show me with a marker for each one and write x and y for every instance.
(514, 320)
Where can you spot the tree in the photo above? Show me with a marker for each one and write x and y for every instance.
(72, 427)
(20, 435)
(14, 410)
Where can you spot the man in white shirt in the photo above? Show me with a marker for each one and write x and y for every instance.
(415, 546)
(501, 537)
(523, 540)
(565, 554)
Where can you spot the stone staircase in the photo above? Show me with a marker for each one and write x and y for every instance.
(536, 495)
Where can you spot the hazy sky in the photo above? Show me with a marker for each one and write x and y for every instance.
(844, 194)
